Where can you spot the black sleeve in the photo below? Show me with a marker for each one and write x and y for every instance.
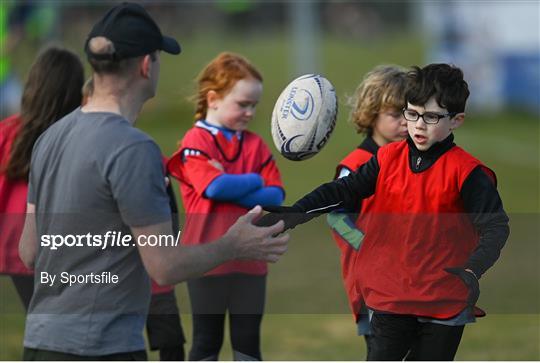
(484, 206)
(343, 193)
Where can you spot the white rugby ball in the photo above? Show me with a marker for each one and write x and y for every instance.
(304, 117)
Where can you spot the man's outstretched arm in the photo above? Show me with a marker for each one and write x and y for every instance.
(243, 241)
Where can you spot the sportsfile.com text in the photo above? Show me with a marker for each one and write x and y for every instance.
(109, 239)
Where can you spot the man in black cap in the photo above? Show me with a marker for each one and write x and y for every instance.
(97, 197)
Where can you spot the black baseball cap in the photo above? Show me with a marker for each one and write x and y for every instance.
(132, 31)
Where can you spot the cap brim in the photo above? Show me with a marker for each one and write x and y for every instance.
(170, 45)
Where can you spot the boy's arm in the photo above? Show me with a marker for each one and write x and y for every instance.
(484, 206)
(342, 193)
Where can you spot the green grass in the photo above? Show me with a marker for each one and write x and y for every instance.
(307, 315)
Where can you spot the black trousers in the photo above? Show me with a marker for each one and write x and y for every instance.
(398, 337)
(24, 284)
(49, 355)
(164, 327)
(242, 296)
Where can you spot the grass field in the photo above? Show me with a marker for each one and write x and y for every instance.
(307, 313)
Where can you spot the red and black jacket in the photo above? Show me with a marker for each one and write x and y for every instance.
(434, 209)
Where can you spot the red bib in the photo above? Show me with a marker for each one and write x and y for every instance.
(13, 195)
(353, 161)
(206, 219)
(416, 227)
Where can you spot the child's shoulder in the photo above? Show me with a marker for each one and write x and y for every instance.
(253, 138)
(356, 158)
(396, 145)
(198, 133)
(200, 127)
(392, 148)
(467, 157)
(198, 139)
(252, 134)
(459, 152)
(467, 163)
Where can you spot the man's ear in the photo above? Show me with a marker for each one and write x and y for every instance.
(457, 121)
(145, 66)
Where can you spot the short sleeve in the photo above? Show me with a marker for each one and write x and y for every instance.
(137, 180)
(190, 163)
(199, 173)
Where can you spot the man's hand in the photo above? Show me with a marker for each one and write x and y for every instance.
(243, 241)
(469, 278)
(249, 242)
(289, 215)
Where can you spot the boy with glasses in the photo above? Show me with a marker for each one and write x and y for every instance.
(436, 224)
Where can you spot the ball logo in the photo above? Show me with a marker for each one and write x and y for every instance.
(286, 146)
(303, 105)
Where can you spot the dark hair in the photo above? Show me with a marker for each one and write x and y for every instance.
(52, 90)
(443, 81)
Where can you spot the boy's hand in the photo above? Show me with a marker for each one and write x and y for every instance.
(469, 278)
(290, 215)
(342, 224)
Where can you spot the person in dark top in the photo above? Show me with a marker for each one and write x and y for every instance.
(437, 224)
(377, 107)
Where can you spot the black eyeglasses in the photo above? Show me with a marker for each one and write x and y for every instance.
(428, 117)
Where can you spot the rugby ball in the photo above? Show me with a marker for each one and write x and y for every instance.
(304, 117)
